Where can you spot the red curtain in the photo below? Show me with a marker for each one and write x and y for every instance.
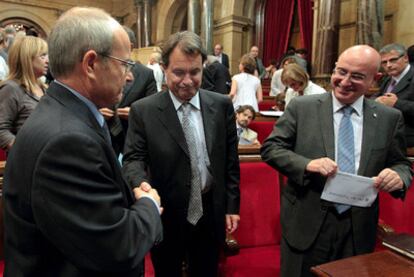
(278, 22)
(306, 24)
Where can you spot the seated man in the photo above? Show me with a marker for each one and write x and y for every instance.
(244, 116)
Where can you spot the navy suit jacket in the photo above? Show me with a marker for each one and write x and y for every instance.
(68, 211)
(156, 152)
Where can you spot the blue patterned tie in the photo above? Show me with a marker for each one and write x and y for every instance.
(195, 206)
(346, 148)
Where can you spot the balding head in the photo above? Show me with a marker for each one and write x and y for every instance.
(355, 72)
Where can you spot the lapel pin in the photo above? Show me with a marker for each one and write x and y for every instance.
(374, 115)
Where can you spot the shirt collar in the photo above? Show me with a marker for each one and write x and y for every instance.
(405, 71)
(195, 101)
(92, 107)
(357, 105)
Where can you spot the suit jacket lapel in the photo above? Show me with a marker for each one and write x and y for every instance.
(208, 111)
(404, 82)
(168, 117)
(326, 125)
(368, 134)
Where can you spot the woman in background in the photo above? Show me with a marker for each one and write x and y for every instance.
(297, 80)
(245, 87)
(22, 89)
(276, 86)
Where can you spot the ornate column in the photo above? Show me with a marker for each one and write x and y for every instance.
(139, 7)
(207, 25)
(147, 22)
(370, 23)
(193, 16)
(327, 41)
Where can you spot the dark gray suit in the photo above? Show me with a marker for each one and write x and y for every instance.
(156, 152)
(405, 103)
(306, 132)
(68, 211)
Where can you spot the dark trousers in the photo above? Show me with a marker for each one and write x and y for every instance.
(197, 246)
(334, 242)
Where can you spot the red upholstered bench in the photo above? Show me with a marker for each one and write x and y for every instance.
(266, 105)
(263, 129)
(259, 232)
(2, 155)
(396, 213)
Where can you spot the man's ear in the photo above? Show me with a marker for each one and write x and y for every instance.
(89, 63)
(378, 76)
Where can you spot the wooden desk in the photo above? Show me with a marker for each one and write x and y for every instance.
(377, 264)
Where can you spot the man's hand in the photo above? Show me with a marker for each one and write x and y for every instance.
(145, 189)
(107, 113)
(388, 180)
(232, 222)
(388, 99)
(324, 166)
(123, 112)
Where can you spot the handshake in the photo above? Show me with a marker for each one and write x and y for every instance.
(145, 190)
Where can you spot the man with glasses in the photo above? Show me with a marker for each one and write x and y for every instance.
(319, 135)
(397, 90)
(68, 211)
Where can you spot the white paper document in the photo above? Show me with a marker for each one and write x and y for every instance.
(350, 189)
(271, 113)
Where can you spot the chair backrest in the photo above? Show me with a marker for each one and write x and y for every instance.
(2, 155)
(263, 129)
(259, 205)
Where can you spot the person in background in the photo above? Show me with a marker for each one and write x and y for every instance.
(154, 64)
(297, 80)
(397, 89)
(68, 211)
(271, 69)
(222, 57)
(302, 55)
(244, 116)
(245, 86)
(216, 77)
(319, 135)
(140, 85)
(260, 70)
(277, 86)
(183, 142)
(22, 90)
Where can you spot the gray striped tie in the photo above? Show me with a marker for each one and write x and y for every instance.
(195, 207)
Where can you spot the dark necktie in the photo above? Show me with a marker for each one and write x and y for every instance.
(346, 148)
(391, 86)
(195, 207)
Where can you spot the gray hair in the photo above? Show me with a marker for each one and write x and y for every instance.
(186, 41)
(399, 48)
(77, 31)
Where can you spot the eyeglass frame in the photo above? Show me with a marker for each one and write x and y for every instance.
(127, 63)
(392, 60)
(353, 76)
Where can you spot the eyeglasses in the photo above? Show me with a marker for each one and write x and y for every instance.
(392, 60)
(127, 63)
(353, 76)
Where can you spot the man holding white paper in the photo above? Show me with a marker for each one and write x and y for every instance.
(321, 135)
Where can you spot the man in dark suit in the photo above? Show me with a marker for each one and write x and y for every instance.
(141, 86)
(306, 145)
(216, 77)
(222, 57)
(397, 90)
(68, 211)
(184, 143)
(261, 70)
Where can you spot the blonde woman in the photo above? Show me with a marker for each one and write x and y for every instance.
(297, 80)
(22, 89)
(245, 87)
